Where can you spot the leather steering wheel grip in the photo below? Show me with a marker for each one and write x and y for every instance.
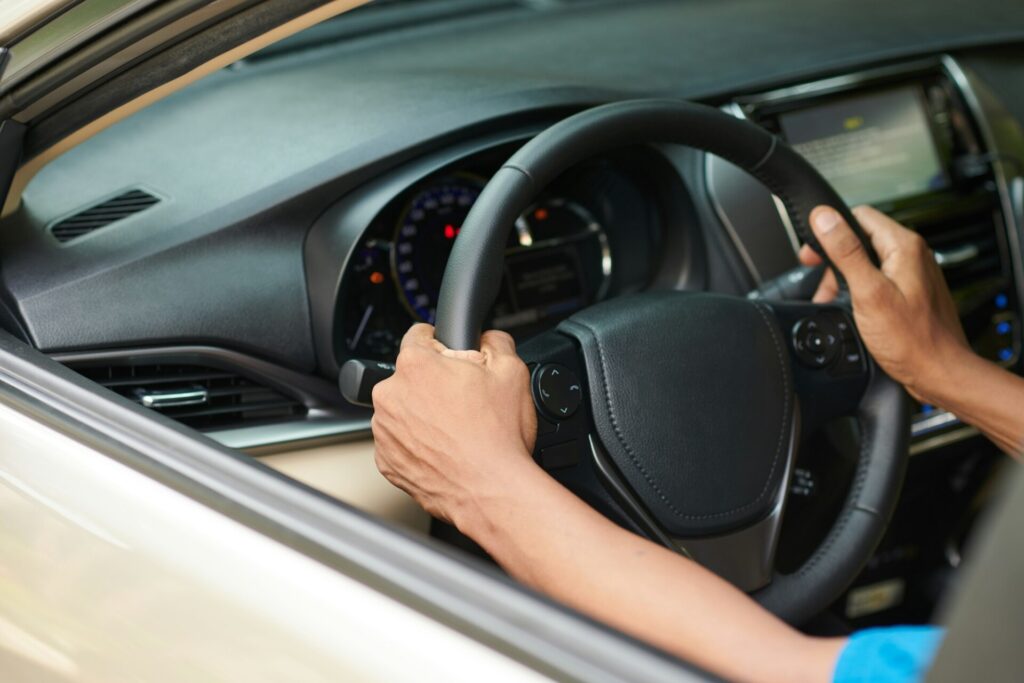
(883, 418)
(474, 271)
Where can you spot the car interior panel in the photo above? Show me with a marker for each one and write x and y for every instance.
(219, 256)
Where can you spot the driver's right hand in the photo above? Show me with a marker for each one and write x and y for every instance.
(904, 311)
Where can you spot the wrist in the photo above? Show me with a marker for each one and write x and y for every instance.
(493, 501)
(951, 372)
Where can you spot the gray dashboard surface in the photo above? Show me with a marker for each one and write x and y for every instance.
(248, 158)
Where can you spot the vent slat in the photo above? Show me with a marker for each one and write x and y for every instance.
(232, 400)
(256, 406)
(978, 231)
(155, 380)
(99, 218)
(102, 214)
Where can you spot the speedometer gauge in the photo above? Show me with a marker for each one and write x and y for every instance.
(423, 241)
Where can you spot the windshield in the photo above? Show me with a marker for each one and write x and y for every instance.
(18, 15)
(35, 38)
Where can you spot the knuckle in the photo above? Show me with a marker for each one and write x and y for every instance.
(921, 248)
(377, 427)
(402, 362)
(409, 359)
(918, 245)
(502, 336)
(520, 372)
(847, 246)
(498, 343)
(379, 396)
(384, 466)
(911, 240)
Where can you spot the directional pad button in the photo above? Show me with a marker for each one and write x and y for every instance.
(817, 341)
(557, 390)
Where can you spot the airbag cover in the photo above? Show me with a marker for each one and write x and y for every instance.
(692, 398)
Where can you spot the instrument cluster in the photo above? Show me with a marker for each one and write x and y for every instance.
(558, 259)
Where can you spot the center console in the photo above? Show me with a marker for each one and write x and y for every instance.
(921, 142)
(909, 141)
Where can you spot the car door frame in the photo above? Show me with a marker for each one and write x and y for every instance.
(444, 584)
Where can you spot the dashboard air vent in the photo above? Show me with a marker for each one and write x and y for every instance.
(201, 397)
(967, 248)
(103, 214)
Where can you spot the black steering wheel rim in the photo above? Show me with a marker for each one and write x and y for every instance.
(470, 283)
(473, 276)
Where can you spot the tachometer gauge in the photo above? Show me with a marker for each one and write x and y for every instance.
(423, 241)
(372, 317)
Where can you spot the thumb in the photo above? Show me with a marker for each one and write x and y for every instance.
(843, 247)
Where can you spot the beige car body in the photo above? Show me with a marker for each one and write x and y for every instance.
(107, 575)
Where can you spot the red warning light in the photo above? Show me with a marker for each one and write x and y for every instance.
(541, 214)
(376, 277)
(451, 232)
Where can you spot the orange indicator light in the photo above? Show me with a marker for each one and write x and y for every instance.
(541, 214)
(376, 277)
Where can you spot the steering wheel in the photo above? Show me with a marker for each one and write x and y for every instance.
(678, 414)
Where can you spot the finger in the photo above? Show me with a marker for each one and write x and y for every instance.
(808, 256)
(828, 288)
(887, 236)
(844, 248)
(421, 335)
(497, 343)
(493, 343)
(467, 354)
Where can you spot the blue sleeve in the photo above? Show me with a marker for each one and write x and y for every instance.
(899, 654)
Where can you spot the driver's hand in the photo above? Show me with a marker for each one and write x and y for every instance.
(904, 311)
(449, 426)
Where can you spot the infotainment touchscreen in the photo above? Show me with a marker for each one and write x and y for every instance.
(872, 147)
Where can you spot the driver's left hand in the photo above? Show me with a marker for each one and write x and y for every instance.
(449, 425)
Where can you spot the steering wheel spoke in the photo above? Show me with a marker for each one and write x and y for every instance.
(558, 386)
(565, 445)
(745, 557)
(830, 366)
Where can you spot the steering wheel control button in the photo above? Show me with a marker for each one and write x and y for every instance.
(817, 341)
(557, 391)
(844, 327)
(559, 456)
(545, 427)
(851, 361)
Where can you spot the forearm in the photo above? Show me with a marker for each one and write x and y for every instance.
(986, 396)
(549, 539)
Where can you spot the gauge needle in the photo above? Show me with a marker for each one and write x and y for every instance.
(523, 232)
(362, 327)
